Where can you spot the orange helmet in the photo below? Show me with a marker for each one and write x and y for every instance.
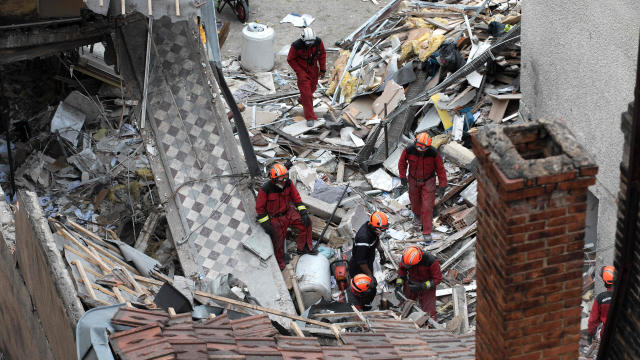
(608, 275)
(278, 171)
(379, 220)
(411, 256)
(423, 141)
(360, 283)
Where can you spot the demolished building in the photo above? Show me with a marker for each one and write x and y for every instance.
(198, 170)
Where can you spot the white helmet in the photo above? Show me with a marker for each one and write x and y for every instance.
(308, 36)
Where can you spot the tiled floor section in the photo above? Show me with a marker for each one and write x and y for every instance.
(216, 222)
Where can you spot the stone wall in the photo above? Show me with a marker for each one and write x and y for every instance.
(532, 193)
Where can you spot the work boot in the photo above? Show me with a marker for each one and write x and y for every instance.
(427, 239)
(416, 222)
(309, 123)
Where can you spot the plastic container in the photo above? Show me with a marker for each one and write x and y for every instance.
(257, 47)
(314, 278)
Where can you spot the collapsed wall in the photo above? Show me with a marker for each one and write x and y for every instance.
(40, 308)
(532, 193)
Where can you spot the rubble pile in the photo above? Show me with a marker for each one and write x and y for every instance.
(415, 67)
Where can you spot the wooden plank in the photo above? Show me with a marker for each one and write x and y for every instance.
(296, 329)
(498, 109)
(296, 288)
(460, 306)
(340, 174)
(85, 279)
(266, 310)
(449, 194)
(147, 230)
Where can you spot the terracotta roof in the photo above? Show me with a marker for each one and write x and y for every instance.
(157, 335)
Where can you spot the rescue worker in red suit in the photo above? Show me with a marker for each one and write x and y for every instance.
(361, 292)
(275, 213)
(601, 303)
(424, 163)
(308, 59)
(418, 274)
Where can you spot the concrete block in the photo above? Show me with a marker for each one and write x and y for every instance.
(320, 208)
(353, 220)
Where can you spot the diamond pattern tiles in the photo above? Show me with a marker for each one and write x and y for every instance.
(188, 133)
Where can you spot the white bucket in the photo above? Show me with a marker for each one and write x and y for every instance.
(257, 47)
(314, 278)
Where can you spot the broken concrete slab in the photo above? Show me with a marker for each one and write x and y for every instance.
(352, 221)
(391, 164)
(459, 154)
(470, 194)
(320, 208)
(380, 179)
(429, 120)
(300, 127)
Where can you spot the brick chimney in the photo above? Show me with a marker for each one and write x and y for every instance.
(532, 194)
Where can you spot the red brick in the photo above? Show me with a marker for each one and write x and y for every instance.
(564, 258)
(559, 350)
(556, 178)
(531, 356)
(570, 275)
(504, 182)
(547, 214)
(545, 326)
(577, 208)
(569, 219)
(562, 314)
(546, 271)
(526, 228)
(565, 239)
(546, 233)
(544, 309)
(582, 182)
(542, 291)
(517, 220)
(588, 171)
(561, 296)
(522, 194)
(575, 227)
(533, 255)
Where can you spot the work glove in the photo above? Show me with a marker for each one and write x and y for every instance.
(268, 228)
(322, 74)
(383, 258)
(304, 215)
(404, 182)
(420, 286)
(440, 191)
(399, 282)
(288, 164)
(589, 339)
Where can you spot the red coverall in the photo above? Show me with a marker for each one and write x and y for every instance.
(307, 62)
(427, 269)
(599, 311)
(275, 202)
(423, 167)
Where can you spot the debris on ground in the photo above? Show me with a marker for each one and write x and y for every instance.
(418, 66)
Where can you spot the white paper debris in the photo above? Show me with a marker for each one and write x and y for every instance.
(298, 20)
(68, 121)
